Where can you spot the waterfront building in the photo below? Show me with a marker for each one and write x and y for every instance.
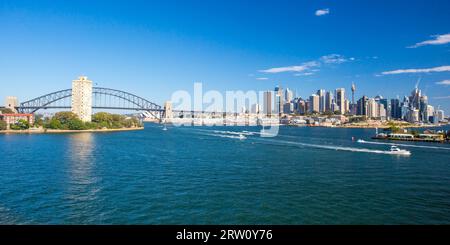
(314, 99)
(82, 98)
(267, 103)
(404, 111)
(340, 99)
(13, 118)
(328, 101)
(11, 102)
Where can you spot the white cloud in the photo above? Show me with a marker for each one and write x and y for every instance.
(321, 12)
(444, 82)
(298, 68)
(438, 40)
(442, 98)
(304, 74)
(262, 78)
(333, 59)
(425, 70)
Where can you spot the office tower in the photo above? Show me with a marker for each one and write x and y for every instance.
(322, 100)
(362, 106)
(387, 107)
(301, 105)
(395, 109)
(413, 116)
(423, 104)
(267, 102)
(414, 99)
(288, 95)
(288, 108)
(328, 101)
(279, 101)
(340, 99)
(353, 93)
(82, 98)
(440, 115)
(314, 101)
(429, 112)
(372, 108)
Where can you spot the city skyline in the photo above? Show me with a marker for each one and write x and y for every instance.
(153, 49)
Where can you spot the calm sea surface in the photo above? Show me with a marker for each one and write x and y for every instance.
(206, 175)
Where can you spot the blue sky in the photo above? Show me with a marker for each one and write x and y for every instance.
(154, 48)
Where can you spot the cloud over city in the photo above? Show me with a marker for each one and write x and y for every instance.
(437, 40)
(423, 70)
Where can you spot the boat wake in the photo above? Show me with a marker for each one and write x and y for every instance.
(405, 145)
(329, 147)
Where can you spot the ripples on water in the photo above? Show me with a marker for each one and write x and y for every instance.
(207, 175)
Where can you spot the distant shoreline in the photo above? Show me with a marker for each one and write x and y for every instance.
(62, 131)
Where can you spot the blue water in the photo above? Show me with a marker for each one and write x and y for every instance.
(204, 175)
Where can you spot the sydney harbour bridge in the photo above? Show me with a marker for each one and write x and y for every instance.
(102, 98)
(112, 99)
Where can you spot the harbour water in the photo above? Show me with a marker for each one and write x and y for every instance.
(207, 175)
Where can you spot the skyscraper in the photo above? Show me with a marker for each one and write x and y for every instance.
(267, 97)
(314, 101)
(395, 109)
(362, 106)
(340, 99)
(322, 100)
(279, 101)
(328, 101)
(288, 95)
(82, 98)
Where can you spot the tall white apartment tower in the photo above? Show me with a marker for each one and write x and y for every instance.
(82, 98)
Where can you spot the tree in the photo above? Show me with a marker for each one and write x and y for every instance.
(65, 117)
(54, 124)
(3, 125)
(21, 124)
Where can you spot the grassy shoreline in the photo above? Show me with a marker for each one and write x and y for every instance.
(62, 131)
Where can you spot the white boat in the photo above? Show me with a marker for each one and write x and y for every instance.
(398, 151)
(242, 137)
(361, 141)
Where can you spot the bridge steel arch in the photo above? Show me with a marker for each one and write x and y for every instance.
(45, 101)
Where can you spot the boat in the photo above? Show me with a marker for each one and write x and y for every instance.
(361, 141)
(397, 151)
(242, 137)
(165, 128)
